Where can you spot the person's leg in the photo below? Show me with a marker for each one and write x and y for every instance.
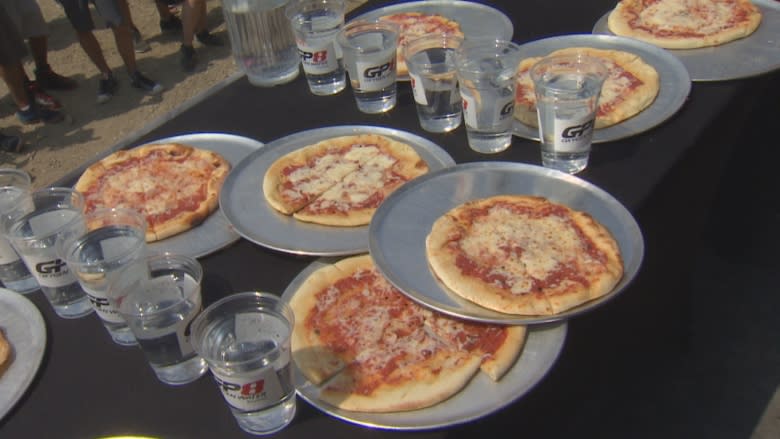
(44, 75)
(28, 111)
(201, 31)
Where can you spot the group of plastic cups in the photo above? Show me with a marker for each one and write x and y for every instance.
(98, 262)
(451, 80)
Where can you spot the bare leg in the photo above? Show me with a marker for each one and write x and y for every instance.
(93, 50)
(123, 35)
(12, 77)
(190, 17)
(39, 47)
(163, 10)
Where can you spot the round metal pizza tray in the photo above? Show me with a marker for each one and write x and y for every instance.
(244, 204)
(479, 398)
(215, 232)
(477, 21)
(675, 84)
(402, 223)
(750, 56)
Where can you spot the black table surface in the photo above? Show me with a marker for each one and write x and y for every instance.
(606, 380)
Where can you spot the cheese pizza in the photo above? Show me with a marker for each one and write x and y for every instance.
(174, 186)
(5, 353)
(684, 24)
(417, 24)
(523, 255)
(631, 86)
(371, 349)
(340, 181)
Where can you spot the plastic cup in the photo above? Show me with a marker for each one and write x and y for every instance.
(159, 310)
(486, 73)
(369, 50)
(58, 215)
(245, 338)
(315, 24)
(115, 243)
(433, 74)
(567, 91)
(15, 187)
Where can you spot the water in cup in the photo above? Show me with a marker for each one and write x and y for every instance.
(159, 311)
(262, 40)
(369, 51)
(435, 85)
(99, 259)
(14, 197)
(315, 24)
(567, 90)
(245, 338)
(486, 71)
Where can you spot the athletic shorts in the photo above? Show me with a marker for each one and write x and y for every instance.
(80, 17)
(12, 48)
(27, 17)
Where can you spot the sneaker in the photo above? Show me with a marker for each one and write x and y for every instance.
(189, 59)
(47, 79)
(106, 89)
(35, 114)
(207, 38)
(139, 81)
(40, 97)
(172, 24)
(139, 42)
(10, 143)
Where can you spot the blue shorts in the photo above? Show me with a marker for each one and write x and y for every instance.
(81, 19)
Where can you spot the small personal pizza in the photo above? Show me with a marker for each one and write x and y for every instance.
(417, 24)
(631, 86)
(340, 181)
(523, 255)
(371, 349)
(684, 24)
(174, 186)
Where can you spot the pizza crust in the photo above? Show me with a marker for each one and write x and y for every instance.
(5, 353)
(684, 24)
(615, 105)
(418, 24)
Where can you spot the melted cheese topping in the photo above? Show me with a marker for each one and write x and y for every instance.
(699, 17)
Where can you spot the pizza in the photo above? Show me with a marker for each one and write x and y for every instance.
(369, 348)
(523, 255)
(417, 24)
(631, 86)
(340, 181)
(5, 353)
(684, 24)
(174, 186)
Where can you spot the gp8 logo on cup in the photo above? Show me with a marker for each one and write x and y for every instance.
(375, 77)
(318, 60)
(252, 392)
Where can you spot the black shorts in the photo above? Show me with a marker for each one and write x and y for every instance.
(81, 18)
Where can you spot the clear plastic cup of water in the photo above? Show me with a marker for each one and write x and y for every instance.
(159, 310)
(245, 338)
(433, 77)
(369, 50)
(114, 245)
(486, 74)
(567, 90)
(15, 188)
(58, 215)
(315, 24)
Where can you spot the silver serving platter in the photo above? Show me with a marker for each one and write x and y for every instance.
(479, 398)
(215, 232)
(402, 223)
(477, 21)
(675, 84)
(244, 205)
(753, 55)
(23, 326)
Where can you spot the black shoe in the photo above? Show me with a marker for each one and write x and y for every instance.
(172, 24)
(106, 89)
(48, 80)
(141, 82)
(10, 143)
(35, 114)
(207, 38)
(188, 58)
